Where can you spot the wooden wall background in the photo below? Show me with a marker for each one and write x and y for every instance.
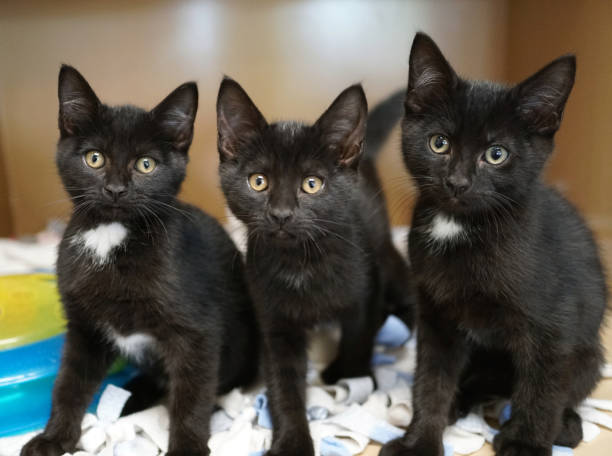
(5, 210)
(293, 57)
(542, 30)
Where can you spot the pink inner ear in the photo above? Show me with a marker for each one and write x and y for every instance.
(351, 153)
(225, 146)
(414, 102)
(182, 140)
(66, 125)
(541, 122)
(223, 140)
(75, 111)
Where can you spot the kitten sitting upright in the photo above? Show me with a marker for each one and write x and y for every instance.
(319, 247)
(511, 291)
(141, 273)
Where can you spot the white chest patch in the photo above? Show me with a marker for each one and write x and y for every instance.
(444, 228)
(134, 346)
(100, 241)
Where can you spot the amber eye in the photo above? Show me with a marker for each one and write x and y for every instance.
(145, 165)
(94, 159)
(258, 182)
(496, 155)
(439, 144)
(312, 184)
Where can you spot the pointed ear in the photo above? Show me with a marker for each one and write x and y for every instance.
(176, 113)
(542, 97)
(430, 76)
(78, 104)
(237, 118)
(343, 125)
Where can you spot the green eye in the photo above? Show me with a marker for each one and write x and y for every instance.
(94, 159)
(312, 184)
(496, 155)
(439, 144)
(258, 182)
(145, 165)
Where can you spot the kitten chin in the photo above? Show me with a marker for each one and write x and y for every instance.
(283, 238)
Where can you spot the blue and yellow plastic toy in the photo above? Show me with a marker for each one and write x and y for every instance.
(32, 329)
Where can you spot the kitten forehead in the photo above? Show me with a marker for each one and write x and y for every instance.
(486, 87)
(482, 95)
(126, 118)
(100, 241)
(286, 144)
(473, 109)
(290, 129)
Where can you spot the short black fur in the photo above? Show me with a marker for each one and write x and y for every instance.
(312, 258)
(175, 276)
(511, 290)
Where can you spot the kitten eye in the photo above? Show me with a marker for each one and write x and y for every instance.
(258, 182)
(145, 165)
(312, 184)
(439, 144)
(496, 155)
(94, 159)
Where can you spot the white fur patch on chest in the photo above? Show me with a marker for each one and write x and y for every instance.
(135, 346)
(100, 241)
(445, 228)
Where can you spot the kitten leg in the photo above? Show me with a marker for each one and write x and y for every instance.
(487, 376)
(192, 363)
(356, 344)
(586, 371)
(285, 369)
(538, 400)
(441, 354)
(85, 361)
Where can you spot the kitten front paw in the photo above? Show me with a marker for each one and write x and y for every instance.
(571, 431)
(400, 447)
(43, 446)
(506, 446)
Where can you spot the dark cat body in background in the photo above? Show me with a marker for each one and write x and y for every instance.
(141, 273)
(511, 291)
(319, 246)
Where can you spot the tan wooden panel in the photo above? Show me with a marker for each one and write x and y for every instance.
(543, 30)
(5, 210)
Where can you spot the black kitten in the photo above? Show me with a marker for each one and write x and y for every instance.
(141, 273)
(511, 291)
(319, 247)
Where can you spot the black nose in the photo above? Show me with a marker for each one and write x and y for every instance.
(280, 215)
(114, 191)
(457, 185)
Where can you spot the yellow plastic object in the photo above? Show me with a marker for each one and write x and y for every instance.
(30, 309)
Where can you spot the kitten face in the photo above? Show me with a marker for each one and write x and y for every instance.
(287, 181)
(477, 146)
(122, 162)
